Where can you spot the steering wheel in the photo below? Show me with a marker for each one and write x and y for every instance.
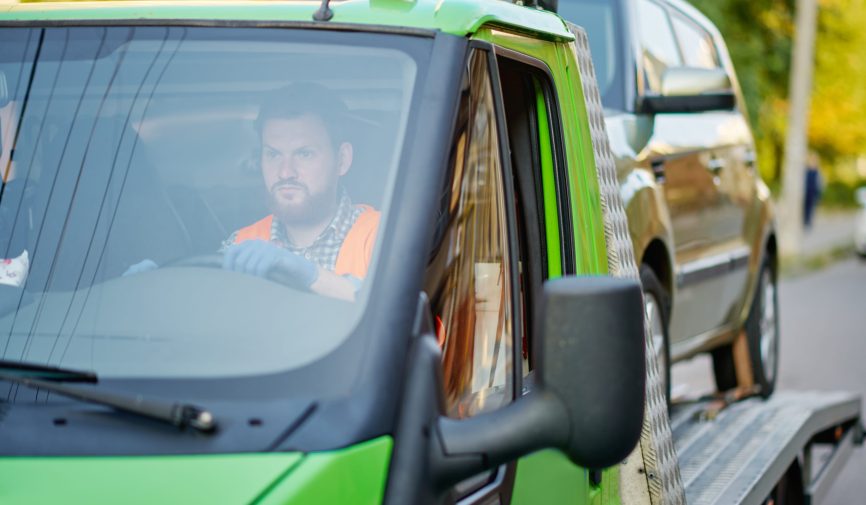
(211, 260)
(214, 260)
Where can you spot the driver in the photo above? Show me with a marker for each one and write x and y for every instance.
(314, 232)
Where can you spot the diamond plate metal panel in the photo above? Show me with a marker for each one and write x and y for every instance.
(660, 468)
(739, 455)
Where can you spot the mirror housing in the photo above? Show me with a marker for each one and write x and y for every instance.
(589, 398)
(691, 89)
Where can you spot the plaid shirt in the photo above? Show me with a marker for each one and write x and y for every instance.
(324, 250)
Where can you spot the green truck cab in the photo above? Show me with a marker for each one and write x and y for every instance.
(486, 356)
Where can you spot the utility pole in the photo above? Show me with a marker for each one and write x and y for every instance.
(796, 142)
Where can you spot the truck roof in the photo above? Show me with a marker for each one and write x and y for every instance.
(457, 17)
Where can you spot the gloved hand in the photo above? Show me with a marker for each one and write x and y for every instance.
(259, 257)
(141, 267)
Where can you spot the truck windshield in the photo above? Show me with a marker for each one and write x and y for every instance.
(136, 159)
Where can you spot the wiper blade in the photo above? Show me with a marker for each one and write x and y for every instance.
(181, 415)
(47, 372)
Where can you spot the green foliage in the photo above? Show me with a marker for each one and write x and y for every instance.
(837, 128)
(838, 194)
(759, 35)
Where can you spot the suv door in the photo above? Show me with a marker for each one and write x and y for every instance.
(684, 151)
(731, 160)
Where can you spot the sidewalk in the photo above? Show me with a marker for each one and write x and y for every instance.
(830, 239)
(831, 230)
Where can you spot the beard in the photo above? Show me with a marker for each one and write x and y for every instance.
(304, 208)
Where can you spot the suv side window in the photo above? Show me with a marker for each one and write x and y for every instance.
(470, 273)
(695, 43)
(660, 49)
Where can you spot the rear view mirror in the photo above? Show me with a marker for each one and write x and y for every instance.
(691, 89)
(589, 398)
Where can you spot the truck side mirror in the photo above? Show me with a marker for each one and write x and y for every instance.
(591, 358)
(589, 400)
(691, 89)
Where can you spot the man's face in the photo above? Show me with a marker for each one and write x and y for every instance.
(301, 168)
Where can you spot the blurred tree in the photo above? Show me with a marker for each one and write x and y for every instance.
(759, 36)
(838, 125)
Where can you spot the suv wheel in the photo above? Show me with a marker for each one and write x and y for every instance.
(657, 305)
(762, 330)
(762, 334)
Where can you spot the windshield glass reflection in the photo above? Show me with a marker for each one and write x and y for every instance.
(182, 202)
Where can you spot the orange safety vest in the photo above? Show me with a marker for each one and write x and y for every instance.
(355, 253)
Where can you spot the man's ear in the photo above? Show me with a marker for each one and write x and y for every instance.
(344, 158)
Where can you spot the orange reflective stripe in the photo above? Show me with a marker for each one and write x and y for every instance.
(355, 253)
(357, 249)
(260, 230)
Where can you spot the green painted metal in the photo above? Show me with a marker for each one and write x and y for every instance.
(548, 184)
(458, 17)
(355, 475)
(549, 477)
(133, 480)
(590, 244)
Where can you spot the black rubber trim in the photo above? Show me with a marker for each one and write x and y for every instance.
(506, 485)
(566, 225)
(733, 263)
(223, 23)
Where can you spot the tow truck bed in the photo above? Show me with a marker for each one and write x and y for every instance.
(738, 455)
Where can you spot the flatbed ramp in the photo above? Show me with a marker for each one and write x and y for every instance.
(737, 454)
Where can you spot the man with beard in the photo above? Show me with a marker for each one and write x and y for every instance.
(315, 234)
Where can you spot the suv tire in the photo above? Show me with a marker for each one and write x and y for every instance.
(657, 305)
(762, 335)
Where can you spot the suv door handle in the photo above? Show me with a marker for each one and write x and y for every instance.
(658, 169)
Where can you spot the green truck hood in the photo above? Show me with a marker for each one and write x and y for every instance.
(353, 475)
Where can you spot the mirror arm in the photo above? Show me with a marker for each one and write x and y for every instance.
(483, 442)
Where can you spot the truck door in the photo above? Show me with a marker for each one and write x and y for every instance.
(500, 235)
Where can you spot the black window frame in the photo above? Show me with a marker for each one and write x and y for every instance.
(500, 481)
(532, 210)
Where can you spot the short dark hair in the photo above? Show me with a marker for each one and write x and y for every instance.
(302, 98)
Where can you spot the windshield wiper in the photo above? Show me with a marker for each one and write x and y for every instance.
(47, 377)
(46, 372)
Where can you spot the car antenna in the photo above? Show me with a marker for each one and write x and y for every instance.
(324, 13)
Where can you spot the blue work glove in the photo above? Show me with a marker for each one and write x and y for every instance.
(260, 257)
(141, 267)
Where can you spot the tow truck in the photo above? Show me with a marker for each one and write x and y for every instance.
(495, 351)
